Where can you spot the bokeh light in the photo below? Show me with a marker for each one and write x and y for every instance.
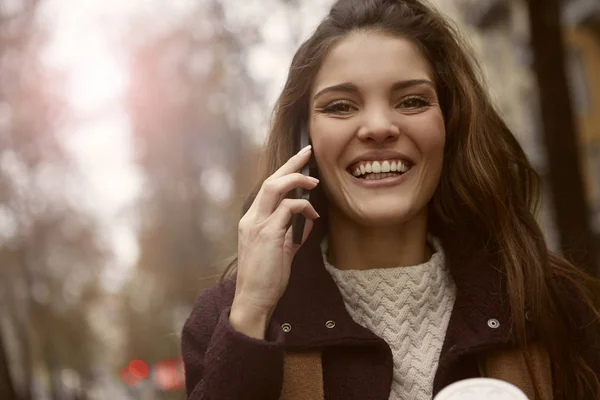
(138, 369)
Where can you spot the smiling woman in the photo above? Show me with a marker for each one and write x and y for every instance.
(376, 102)
(421, 263)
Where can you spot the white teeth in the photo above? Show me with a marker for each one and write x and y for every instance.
(385, 166)
(379, 168)
(376, 167)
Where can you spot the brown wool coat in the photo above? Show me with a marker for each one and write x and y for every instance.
(324, 354)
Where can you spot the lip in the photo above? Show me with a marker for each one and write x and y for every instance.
(381, 155)
(381, 183)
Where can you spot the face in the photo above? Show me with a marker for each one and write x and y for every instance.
(377, 129)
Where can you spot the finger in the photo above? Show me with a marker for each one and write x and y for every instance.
(274, 190)
(288, 207)
(295, 163)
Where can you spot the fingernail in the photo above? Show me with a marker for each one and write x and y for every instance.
(315, 180)
(306, 149)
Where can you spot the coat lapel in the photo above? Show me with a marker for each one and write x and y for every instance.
(480, 303)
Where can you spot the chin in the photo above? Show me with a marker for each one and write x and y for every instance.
(385, 215)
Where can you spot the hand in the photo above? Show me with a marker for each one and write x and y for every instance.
(265, 245)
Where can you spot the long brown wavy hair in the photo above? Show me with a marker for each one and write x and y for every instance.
(488, 191)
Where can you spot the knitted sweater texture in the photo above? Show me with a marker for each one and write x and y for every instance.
(409, 307)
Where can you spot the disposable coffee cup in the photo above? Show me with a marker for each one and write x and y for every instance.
(481, 389)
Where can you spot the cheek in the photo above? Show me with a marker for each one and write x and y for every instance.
(329, 139)
(429, 134)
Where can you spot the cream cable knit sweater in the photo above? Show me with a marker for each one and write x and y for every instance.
(408, 307)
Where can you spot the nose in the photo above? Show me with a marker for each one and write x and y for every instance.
(378, 127)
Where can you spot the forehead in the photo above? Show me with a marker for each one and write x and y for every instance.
(372, 58)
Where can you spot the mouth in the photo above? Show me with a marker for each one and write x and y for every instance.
(377, 170)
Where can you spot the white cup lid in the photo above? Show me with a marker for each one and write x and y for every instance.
(481, 389)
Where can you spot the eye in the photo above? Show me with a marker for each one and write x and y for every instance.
(339, 107)
(414, 102)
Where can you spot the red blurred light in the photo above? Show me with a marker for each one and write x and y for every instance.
(139, 369)
(127, 377)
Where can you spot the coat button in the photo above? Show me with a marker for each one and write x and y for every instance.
(493, 323)
(286, 327)
(330, 324)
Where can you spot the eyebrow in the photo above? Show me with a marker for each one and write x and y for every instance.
(350, 87)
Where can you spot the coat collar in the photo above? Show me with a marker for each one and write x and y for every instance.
(312, 299)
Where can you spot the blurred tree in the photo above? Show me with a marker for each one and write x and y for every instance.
(189, 94)
(49, 250)
(194, 106)
(560, 132)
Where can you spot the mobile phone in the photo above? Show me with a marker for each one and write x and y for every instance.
(298, 220)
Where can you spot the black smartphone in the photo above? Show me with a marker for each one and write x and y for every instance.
(298, 220)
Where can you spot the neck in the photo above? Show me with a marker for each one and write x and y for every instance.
(354, 246)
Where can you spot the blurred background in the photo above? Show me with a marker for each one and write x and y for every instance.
(130, 132)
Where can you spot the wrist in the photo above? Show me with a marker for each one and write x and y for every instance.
(249, 320)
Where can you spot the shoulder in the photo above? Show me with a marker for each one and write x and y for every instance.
(210, 304)
(220, 294)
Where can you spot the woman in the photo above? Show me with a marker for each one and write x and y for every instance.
(421, 263)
